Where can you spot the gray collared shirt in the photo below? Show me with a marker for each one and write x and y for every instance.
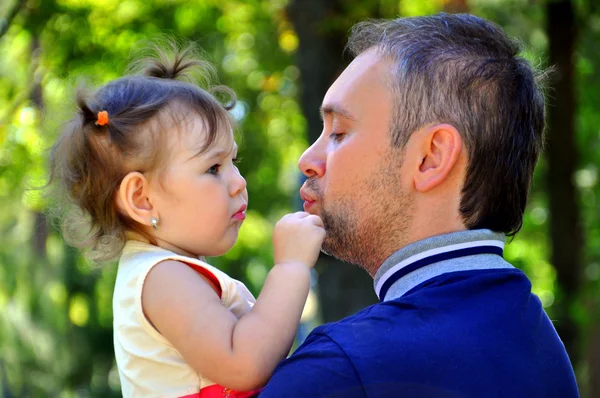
(435, 246)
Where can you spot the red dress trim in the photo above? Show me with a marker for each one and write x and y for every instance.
(209, 275)
(217, 391)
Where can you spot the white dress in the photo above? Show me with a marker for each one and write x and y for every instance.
(149, 366)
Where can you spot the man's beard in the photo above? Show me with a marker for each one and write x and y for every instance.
(342, 240)
(366, 235)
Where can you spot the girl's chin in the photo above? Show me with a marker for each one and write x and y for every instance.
(216, 253)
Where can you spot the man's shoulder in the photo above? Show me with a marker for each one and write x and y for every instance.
(445, 308)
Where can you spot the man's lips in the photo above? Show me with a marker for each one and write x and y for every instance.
(309, 200)
(241, 213)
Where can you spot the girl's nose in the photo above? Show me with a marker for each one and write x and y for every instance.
(238, 183)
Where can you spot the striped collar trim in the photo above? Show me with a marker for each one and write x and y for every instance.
(420, 260)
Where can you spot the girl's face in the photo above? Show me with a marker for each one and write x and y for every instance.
(200, 198)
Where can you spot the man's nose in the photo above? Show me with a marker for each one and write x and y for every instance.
(312, 162)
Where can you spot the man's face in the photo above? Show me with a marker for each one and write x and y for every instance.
(354, 176)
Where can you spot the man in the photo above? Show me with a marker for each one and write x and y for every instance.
(430, 139)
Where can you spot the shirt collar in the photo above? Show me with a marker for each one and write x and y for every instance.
(434, 250)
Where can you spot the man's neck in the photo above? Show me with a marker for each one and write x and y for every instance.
(418, 234)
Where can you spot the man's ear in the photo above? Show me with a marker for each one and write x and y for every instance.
(440, 150)
(132, 198)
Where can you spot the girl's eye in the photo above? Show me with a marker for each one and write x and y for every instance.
(214, 169)
(236, 160)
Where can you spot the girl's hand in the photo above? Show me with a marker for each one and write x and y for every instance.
(237, 353)
(297, 238)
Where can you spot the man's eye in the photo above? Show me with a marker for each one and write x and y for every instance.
(214, 169)
(337, 137)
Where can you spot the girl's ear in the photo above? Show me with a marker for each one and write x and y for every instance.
(132, 198)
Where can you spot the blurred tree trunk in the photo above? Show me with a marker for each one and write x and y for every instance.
(456, 6)
(593, 353)
(37, 98)
(343, 289)
(10, 16)
(561, 153)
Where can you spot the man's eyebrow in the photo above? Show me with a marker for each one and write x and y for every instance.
(336, 109)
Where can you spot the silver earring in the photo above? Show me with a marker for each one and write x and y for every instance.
(154, 222)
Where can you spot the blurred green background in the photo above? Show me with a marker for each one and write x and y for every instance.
(280, 56)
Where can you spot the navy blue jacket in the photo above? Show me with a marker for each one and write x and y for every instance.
(476, 333)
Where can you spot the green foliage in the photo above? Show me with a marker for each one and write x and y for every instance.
(56, 322)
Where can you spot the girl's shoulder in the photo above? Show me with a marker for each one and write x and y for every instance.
(138, 259)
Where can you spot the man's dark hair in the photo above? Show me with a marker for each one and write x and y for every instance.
(465, 71)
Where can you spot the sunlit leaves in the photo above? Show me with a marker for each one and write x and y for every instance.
(415, 8)
(79, 310)
(288, 41)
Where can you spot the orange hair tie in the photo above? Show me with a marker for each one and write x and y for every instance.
(102, 118)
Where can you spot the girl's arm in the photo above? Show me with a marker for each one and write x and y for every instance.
(238, 354)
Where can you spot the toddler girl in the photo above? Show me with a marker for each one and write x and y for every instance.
(149, 161)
